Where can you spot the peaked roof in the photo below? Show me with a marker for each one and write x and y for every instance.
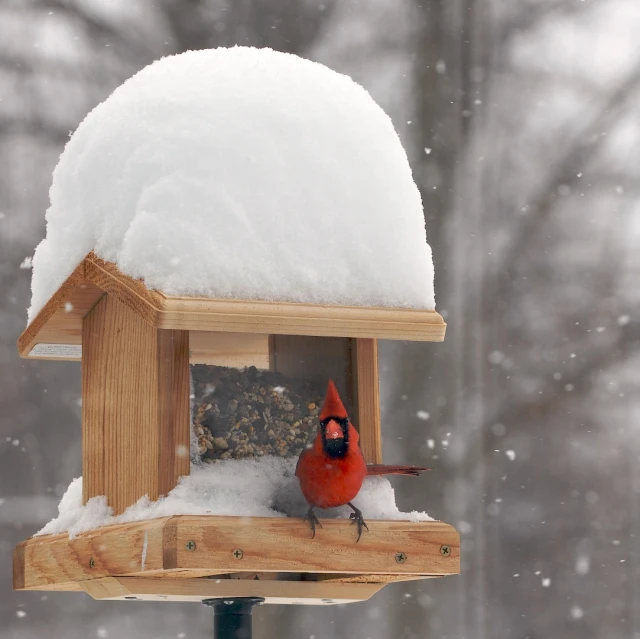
(56, 331)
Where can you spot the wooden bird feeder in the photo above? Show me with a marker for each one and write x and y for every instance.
(136, 346)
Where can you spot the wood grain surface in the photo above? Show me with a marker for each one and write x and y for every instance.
(237, 350)
(196, 546)
(367, 417)
(273, 591)
(54, 325)
(135, 408)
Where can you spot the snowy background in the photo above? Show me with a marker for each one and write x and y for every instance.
(520, 121)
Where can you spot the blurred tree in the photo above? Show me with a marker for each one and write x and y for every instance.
(519, 121)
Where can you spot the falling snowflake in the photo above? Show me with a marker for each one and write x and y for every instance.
(464, 527)
(583, 564)
(577, 612)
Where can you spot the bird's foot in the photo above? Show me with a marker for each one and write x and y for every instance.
(313, 521)
(357, 518)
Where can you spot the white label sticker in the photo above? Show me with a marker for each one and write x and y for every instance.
(68, 351)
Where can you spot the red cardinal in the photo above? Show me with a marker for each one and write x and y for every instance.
(332, 470)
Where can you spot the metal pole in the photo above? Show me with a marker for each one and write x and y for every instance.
(232, 617)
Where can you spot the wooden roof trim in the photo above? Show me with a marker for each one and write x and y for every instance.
(128, 290)
(62, 315)
(93, 277)
(326, 321)
(257, 316)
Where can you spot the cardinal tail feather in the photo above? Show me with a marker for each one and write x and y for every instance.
(384, 469)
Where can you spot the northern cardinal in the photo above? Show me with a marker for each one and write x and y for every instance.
(332, 469)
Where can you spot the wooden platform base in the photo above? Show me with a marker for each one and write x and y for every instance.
(274, 591)
(191, 558)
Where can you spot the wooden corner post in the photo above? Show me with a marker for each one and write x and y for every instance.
(366, 390)
(135, 409)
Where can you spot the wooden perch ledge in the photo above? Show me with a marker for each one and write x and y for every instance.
(56, 332)
(191, 558)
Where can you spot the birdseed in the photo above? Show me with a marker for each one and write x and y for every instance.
(251, 412)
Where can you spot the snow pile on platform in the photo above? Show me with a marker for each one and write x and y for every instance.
(244, 173)
(264, 487)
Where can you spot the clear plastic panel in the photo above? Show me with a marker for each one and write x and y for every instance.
(251, 412)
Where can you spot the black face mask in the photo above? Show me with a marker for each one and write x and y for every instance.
(335, 447)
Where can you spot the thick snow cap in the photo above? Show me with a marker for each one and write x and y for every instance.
(241, 173)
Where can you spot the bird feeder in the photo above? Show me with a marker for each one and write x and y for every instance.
(155, 368)
(212, 180)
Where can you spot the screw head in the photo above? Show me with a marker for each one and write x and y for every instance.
(92, 563)
(401, 557)
(445, 550)
(237, 553)
(190, 545)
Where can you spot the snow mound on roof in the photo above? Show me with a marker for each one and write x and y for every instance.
(243, 173)
(264, 487)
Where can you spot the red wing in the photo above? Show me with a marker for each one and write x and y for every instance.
(302, 454)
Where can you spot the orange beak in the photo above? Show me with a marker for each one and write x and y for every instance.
(334, 430)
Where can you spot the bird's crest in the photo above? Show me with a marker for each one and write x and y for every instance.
(333, 406)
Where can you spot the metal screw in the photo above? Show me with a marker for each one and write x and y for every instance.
(445, 550)
(92, 563)
(401, 557)
(238, 554)
(190, 545)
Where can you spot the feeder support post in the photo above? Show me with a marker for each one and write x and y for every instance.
(232, 617)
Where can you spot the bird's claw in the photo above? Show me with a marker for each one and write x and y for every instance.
(313, 522)
(362, 524)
